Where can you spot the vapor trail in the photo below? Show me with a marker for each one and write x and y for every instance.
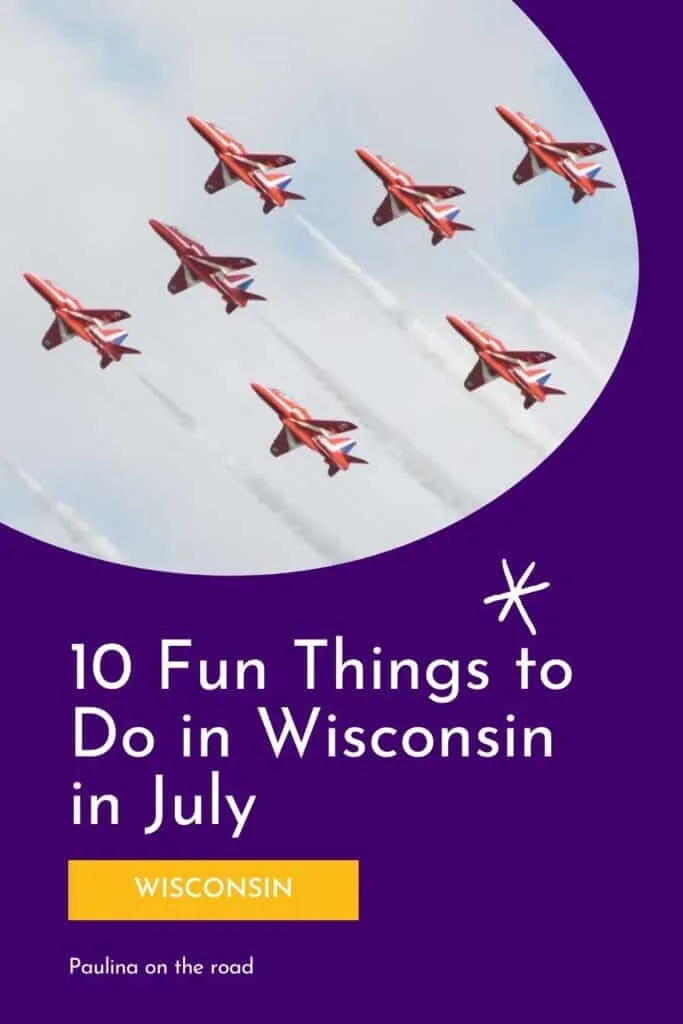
(402, 448)
(316, 538)
(85, 538)
(546, 323)
(442, 355)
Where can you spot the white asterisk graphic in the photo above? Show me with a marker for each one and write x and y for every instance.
(514, 595)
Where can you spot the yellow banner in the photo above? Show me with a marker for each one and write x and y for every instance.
(213, 890)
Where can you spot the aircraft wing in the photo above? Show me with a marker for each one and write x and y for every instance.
(529, 168)
(231, 262)
(581, 148)
(220, 177)
(439, 191)
(181, 280)
(533, 358)
(270, 159)
(480, 374)
(333, 426)
(107, 316)
(283, 443)
(56, 335)
(387, 210)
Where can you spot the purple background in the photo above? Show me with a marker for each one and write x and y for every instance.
(490, 890)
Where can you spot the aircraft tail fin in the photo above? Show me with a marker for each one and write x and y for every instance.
(231, 305)
(590, 172)
(438, 236)
(445, 211)
(529, 400)
(279, 178)
(543, 381)
(588, 168)
(113, 353)
(340, 445)
(281, 182)
(447, 214)
(333, 468)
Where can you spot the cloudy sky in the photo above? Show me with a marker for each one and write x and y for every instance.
(94, 141)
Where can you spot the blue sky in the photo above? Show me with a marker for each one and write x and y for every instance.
(109, 43)
(95, 142)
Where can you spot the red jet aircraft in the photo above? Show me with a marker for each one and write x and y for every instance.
(298, 428)
(519, 368)
(404, 196)
(259, 170)
(92, 325)
(197, 265)
(545, 153)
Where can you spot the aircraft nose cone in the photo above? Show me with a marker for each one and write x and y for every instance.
(33, 280)
(160, 229)
(364, 155)
(263, 392)
(196, 122)
(455, 322)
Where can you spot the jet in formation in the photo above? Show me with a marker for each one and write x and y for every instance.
(545, 153)
(520, 368)
(73, 320)
(326, 437)
(197, 265)
(423, 201)
(258, 170)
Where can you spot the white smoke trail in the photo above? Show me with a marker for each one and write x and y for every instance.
(311, 533)
(546, 323)
(440, 354)
(85, 538)
(421, 468)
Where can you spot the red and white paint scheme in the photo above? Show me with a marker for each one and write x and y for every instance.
(259, 170)
(545, 153)
(423, 201)
(197, 265)
(92, 325)
(299, 428)
(520, 368)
